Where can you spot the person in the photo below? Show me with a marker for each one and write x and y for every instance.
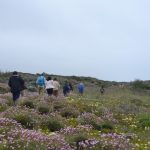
(102, 90)
(81, 88)
(56, 87)
(41, 84)
(66, 88)
(15, 83)
(49, 86)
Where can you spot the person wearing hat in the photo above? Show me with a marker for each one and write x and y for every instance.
(15, 83)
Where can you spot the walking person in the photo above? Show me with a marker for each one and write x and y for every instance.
(66, 89)
(49, 86)
(41, 84)
(56, 87)
(15, 83)
(102, 90)
(81, 88)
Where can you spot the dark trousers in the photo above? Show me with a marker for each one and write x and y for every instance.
(16, 95)
(49, 91)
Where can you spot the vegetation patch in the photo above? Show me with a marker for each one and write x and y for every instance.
(28, 104)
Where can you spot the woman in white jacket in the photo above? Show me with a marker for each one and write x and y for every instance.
(49, 86)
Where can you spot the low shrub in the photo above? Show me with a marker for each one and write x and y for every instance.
(3, 107)
(25, 120)
(76, 139)
(52, 125)
(144, 121)
(96, 125)
(28, 104)
(107, 125)
(58, 105)
(91, 119)
(43, 109)
(69, 113)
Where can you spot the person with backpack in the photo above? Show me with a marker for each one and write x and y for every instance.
(16, 84)
(49, 86)
(41, 84)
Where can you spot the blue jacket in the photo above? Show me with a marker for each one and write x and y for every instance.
(66, 89)
(41, 80)
(81, 87)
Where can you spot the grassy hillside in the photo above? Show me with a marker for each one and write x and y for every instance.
(117, 120)
(30, 80)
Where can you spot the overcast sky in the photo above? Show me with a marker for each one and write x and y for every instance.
(106, 39)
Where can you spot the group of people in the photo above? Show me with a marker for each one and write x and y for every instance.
(52, 86)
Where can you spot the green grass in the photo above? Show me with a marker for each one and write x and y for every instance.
(122, 111)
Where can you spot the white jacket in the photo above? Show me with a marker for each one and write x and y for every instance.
(49, 84)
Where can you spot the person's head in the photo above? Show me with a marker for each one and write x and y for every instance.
(49, 78)
(15, 73)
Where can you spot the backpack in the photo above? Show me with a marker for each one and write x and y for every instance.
(41, 81)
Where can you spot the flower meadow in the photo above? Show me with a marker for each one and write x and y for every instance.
(108, 122)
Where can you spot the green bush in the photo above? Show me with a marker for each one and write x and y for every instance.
(96, 125)
(144, 121)
(52, 125)
(108, 126)
(43, 109)
(59, 105)
(139, 84)
(69, 113)
(2, 107)
(74, 140)
(91, 119)
(25, 120)
(28, 104)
